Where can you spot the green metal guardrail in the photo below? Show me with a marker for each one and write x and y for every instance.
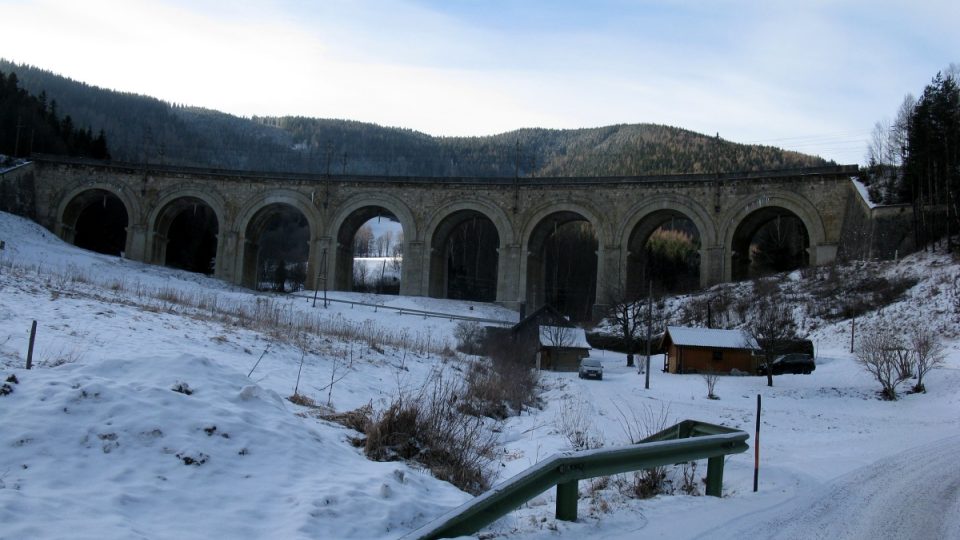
(687, 441)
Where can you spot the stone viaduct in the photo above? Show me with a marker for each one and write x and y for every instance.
(726, 209)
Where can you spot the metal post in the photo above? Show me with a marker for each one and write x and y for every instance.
(33, 336)
(756, 449)
(715, 476)
(567, 501)
(853, 325)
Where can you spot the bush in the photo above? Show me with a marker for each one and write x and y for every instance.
(502, 387)
(710, 378)
(880, 354)
(430, 428)
(469, 336)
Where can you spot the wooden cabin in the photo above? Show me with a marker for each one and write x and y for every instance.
(545, 339)
(562, 348)
(708, 350)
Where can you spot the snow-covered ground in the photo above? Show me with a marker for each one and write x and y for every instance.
(96, 443)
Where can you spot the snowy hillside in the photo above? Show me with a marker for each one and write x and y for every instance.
(102, 439)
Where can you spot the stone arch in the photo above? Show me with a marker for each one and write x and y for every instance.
(451, 216)
(170, 209)
(80, 199)
(537, 230)
(644, 217)
(252, 220)
(751, 212)
(351, 215)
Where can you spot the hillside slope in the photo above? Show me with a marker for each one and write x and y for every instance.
(145, 129)
(97, 441)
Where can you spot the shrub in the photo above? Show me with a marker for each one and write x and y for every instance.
(637, 426)
(430, 428)
(503, 386)
(710, 378)
(469, 336)
(880, 355)
(574, 422)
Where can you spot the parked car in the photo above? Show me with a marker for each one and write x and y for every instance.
(591, 367)
(791, 363)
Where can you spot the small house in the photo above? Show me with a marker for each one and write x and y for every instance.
(708, 350)
(546, 339)
(562, 348)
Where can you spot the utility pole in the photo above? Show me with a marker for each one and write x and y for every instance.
(516, 179)
(329, 150)
(716, 173)
(646, 381)
(16, 143)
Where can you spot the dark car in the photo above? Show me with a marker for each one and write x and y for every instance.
(791, 363)
(591, 367)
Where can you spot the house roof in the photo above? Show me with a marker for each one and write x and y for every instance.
(710, 337)
(562, 336)
(545, 312)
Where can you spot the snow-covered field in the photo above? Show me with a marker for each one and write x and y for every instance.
(95, 442)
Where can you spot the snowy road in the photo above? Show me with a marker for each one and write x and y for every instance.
(914, 494)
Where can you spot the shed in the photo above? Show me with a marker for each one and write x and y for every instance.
(562, 347)
(548, 336)
(708, 350)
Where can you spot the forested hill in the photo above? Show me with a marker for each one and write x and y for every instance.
(30, 123)
(145, 129)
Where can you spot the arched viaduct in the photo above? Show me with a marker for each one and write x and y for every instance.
(725, 209)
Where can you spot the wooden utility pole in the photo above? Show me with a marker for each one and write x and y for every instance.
(516, 180)
(16, 141)
(646, 381)
(756, 449)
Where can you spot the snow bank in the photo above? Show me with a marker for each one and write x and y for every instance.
(112, 449)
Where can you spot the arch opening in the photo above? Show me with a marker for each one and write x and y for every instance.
(277, 249)
(769, 240)
(97, 220)
(370, 252)
(663, 252)
(464, 257)
(185, 236)
(562, 265)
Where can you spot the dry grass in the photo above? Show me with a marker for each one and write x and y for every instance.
(271, 316)
(429, 428)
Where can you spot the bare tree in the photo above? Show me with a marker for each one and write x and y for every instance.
(710, 378)
(771, 326)
(557, 336)
(363, 241)
(879, 354)
(397, 250)
(928, 352)
(628, 317)
(360, 273)
(382, 244)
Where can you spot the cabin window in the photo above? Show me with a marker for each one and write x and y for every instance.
(717, 355)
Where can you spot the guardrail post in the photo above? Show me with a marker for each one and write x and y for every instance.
(567, 501)
(715, 476)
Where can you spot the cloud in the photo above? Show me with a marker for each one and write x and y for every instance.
(754, 71)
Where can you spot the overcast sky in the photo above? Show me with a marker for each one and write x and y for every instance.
(812, 76)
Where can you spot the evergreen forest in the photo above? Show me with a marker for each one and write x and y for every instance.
(143, 129)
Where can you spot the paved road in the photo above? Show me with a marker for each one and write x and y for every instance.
(914, 494)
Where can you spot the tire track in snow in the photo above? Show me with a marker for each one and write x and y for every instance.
(913, 494)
